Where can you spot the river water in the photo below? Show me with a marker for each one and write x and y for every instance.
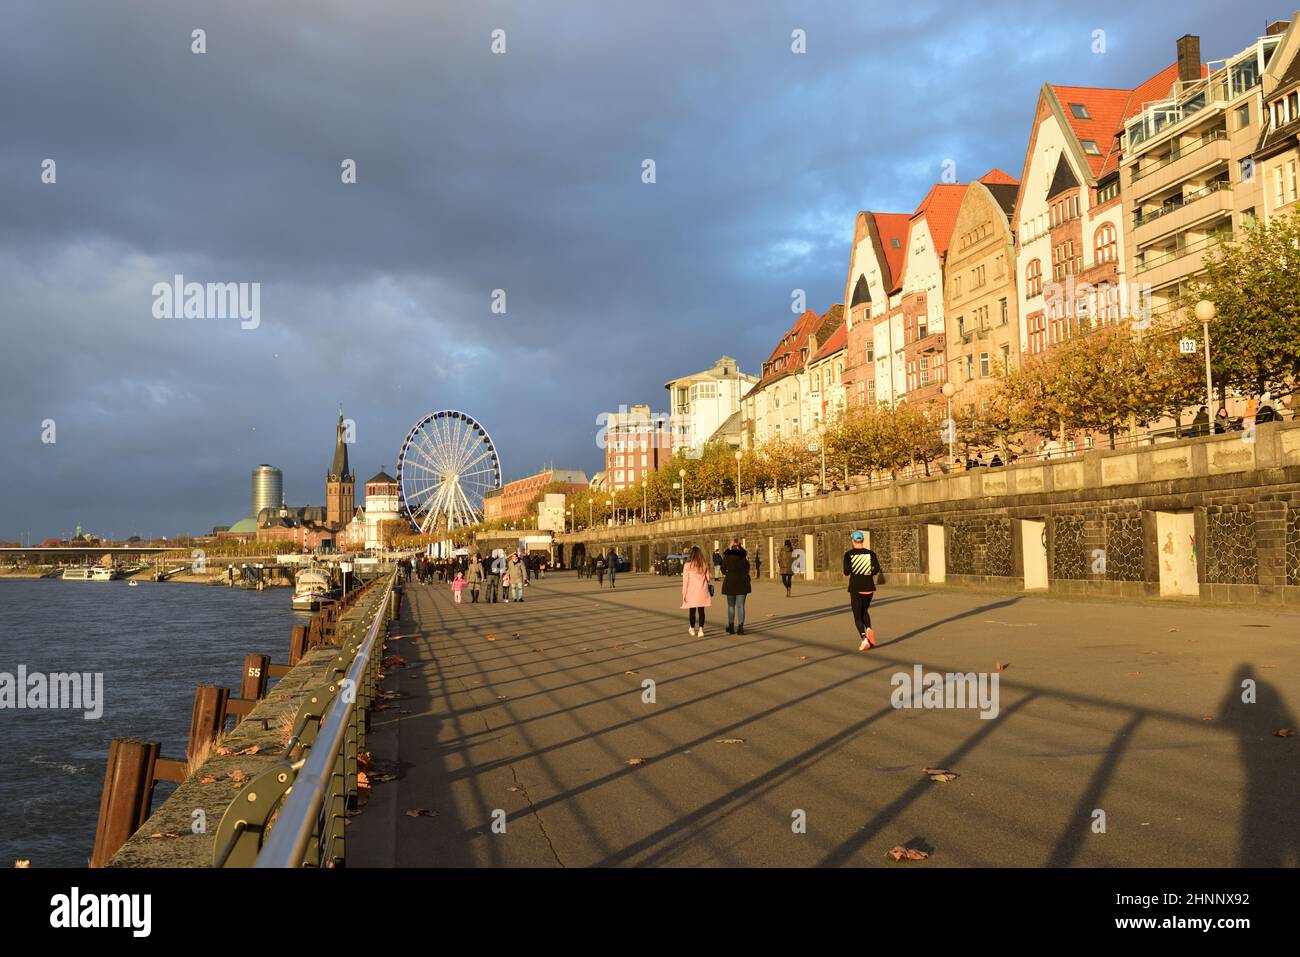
(152, 644)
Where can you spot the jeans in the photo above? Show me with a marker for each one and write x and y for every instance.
(736, 609)
(491, 590)
(517, 590)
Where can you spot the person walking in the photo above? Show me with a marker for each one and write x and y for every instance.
(758, 564)
(735, 585)
(612, 560)
(457, 586)
(717, 565)
(862, 566)
(517, 569)
(785, 565)
(600, 569)
(491, 578)
(475, 578)
(697, 590)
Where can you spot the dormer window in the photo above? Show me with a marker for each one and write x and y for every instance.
(1090, 147)
(1080, 111)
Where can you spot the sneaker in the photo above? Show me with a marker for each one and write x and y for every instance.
(864, 644)
(691, 631)
(871, 638)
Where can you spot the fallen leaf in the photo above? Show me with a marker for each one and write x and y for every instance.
(492, 637)
(250, 750)
(207, 779)
(222, 750)
(383, 778)
(363, 780)
(901, 853)
(634, 762)
(1174, 629)
(23, 863)
(421, 812)
(168, 836)
(1134, 674)
(1284, 733)
(629, 673)
(729, 741)
(238, 776)
(1207, 717)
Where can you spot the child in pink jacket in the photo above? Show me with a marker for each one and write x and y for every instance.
(696, 593)
(457, 586)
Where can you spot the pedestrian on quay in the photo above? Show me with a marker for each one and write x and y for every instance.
(1201, 422)
(735, 585)
(1222, 423)
(717, 565)
(785, 565)
(697, 590)
(517, 569)
(475, 577)
(863, 567)
(491, 578)
(612, 561)
(600, 570)
(758, 564)
(457, 586)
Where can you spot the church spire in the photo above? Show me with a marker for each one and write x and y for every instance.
(339, 471)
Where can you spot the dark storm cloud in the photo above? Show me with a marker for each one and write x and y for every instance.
(476, 172)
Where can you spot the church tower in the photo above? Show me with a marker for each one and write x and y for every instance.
(340, 485)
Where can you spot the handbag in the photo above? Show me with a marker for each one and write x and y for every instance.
(710, 589)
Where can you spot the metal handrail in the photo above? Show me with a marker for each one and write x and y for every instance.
(286, 845)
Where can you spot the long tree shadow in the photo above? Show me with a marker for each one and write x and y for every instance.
(1270, 824)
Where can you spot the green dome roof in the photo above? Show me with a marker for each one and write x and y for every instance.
(245, 525)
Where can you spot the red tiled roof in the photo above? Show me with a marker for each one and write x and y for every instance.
(790, 346)
(834, 344)
(995, 177)
(940, 208)
(893, 226)
(1109, 110)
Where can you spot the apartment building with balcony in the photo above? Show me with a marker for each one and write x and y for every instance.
(702, 402)
(1069, 223)
(980, 304)
(875, 277)
(1277, 155)
(1188, 180)
(826, 397)
(636, 442)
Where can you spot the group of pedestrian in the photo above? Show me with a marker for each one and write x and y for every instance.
(597, 564)
(861, 566)
(496, 577)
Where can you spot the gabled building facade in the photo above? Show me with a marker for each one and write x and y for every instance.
(875, 276)
(1277, 155)
(980, 302)
(1068, 222)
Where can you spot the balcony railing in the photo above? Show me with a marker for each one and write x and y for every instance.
(1140, 218)
(1176, 154)
(1178, 252)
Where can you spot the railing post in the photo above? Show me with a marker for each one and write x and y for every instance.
(209, 717)
(297, 644)
(127, 796)
(257, 672)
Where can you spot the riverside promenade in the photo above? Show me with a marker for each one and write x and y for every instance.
(521, 734)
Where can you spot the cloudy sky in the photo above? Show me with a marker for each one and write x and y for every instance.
(476, 171)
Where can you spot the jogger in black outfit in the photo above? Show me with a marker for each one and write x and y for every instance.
(862, 566)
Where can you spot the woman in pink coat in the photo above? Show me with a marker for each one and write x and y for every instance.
(696, 589)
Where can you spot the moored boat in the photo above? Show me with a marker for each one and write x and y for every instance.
(311, 590)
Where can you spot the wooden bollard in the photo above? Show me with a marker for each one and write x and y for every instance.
(257, 672)
(297, 643)
(127, 797)
(209, 717)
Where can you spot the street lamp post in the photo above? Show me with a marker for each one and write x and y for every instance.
(948, 391)
(609, 502)
(644, 500)
(738, 457)
(590, 520)
(681, 474)
(1205, 312)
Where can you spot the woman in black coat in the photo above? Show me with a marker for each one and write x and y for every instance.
(735, 585)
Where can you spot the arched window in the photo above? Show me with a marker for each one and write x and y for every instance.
(1033, 278)
(1105, 247)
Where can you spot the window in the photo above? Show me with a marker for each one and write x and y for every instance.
(1090, 147)
(961, 325)
(1002, 306)
(1108, 192)
(1291, 181)
(1006, 359)
(1080, 111)
(984, 365)
(970, 367)
(925, 370)
(896, 244)
(1243, 117)
(1033, 279)
(871, 392)
(1105, 246)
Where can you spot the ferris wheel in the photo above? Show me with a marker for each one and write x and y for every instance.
(446, 464)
